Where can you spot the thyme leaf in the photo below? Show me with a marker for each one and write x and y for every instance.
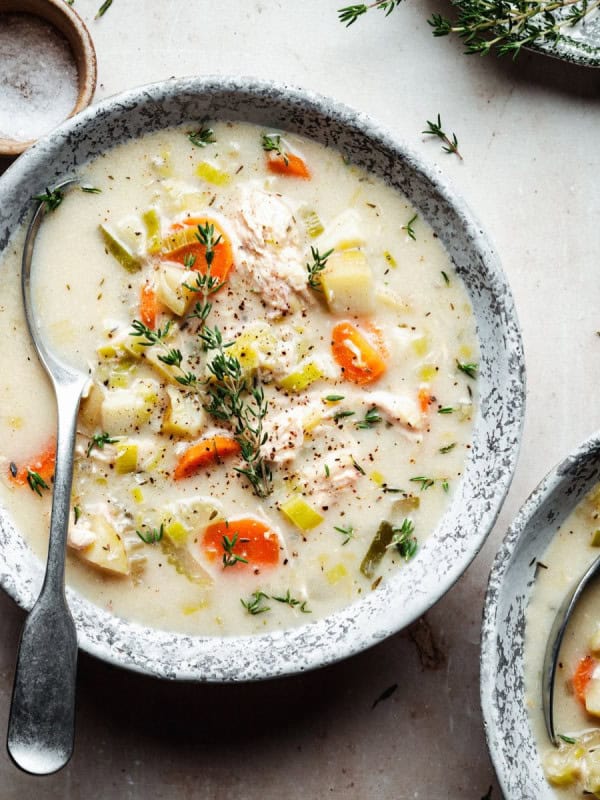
(450, 145)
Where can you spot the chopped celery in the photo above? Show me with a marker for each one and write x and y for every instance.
(211, 174)
(314, 226)
(421, 345)
(390, 259)
(300, 513)
(347, 282)
(137, 494)
(301, 379)
(152, 222)
(127, 455)
(427, 372)
(119, 250)
(408, 503)
(184, 562)
(377, 478)
(176, 531)
(377, 549)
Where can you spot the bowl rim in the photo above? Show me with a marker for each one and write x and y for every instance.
(278, 641)
(558, 476)
(82, 47)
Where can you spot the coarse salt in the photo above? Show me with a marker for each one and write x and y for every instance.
(38, 77)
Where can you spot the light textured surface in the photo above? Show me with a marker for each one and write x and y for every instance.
(528, 132)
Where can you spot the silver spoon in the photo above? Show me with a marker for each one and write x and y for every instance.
(42, 713)
(557, 633)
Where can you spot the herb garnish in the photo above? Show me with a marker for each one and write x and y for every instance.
(468, 369)
(371, 418)
(385, 695)
(567, 739)
(445, 485)
(342, 414)
(334, 398)
(255, 605)
(448, 448)
(318, 265)
(153, 535)
(36, 482)
(446, 278)
(435, 129)
(202, 137)
(446, 410)
(404, 541)
(91, 189)
(409, 227)
(99, 440)
(51, 200)
(292, 602)
(229, 557)
(350, 14)
(76, 514)
(347, 531)
(103, 8)
(425, 482)
(273, 143)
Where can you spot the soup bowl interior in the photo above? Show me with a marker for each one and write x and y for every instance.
(508, 730)
(497, 428)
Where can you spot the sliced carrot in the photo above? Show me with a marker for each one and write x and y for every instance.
(207, 451)
(43, 464)
(223, 251)
(424, 399)
(249, 539)
(583, 675)
(362, 359)
(148, 306)
(288, 164)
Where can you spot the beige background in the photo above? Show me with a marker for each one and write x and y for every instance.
(529, 133)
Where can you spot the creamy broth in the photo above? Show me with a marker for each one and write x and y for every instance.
(571, 551)
(369, 376)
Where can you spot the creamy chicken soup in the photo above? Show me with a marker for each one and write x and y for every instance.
(573, 768)
(283, 370)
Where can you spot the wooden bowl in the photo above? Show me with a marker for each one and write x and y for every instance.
(59, 14)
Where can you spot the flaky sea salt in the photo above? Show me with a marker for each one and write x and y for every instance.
(38, 77)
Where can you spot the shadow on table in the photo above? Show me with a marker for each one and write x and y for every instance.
(531, 67)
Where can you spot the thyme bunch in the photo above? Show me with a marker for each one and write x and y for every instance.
(350, 14)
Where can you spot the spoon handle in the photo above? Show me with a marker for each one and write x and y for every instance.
(42, 713)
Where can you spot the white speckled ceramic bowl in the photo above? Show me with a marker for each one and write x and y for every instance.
(509, 735)
(477, 499)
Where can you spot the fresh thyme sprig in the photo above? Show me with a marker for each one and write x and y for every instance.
(292, 602)
(91, 189)
(230, 559)
(318, 265)
(206, 236)
(273, 144)
(435, 129)
(255, 605)
(36, 482)
(507, 27)
(51, 200)
(404, 541)
(468, 369)
(153, 535)
(103, 8)
(99, 440)
(347, 531)
(173, 357)
(371, 419)
(425, 482)
(202, 137)
(409, 227)
(350, 14)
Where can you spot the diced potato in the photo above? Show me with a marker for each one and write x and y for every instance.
(592, 697)
(108, 551)
(123, 411)
(127, 457)
(300, 513)
(592, 772)
(184, 415)
(166, 371)
(120, 249)
(344, 233)
(171, 290)
(347, 282)
(562, 766)
(301, 379)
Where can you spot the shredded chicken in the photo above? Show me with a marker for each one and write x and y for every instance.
(396, 407)
(270, 250)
